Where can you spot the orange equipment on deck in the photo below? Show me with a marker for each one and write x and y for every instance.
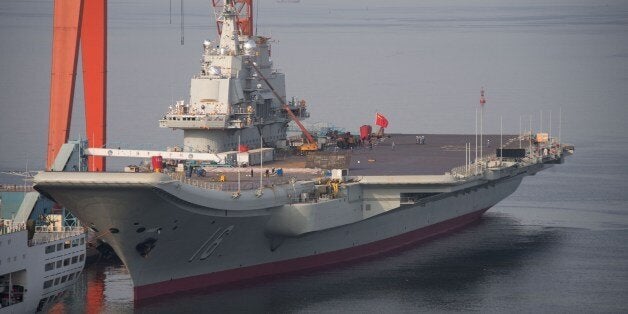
(75, 21)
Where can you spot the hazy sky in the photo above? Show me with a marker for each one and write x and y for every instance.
(421, 63)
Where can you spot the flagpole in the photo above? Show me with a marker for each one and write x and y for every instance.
(482, 102)
(476, 134)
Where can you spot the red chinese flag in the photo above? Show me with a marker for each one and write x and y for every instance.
(381, 120)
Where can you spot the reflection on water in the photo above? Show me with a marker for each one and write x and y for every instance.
(449, 273)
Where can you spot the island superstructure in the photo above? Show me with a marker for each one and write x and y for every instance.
(189, 224)
(228, 98)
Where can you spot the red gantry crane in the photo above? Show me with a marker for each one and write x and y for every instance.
(74, 22)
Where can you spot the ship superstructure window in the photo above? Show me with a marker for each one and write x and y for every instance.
(71, 276)
(82, 257)
(57, 281)
(41, 303)
(75, 242)
(74, 259)
(67, 244)
(50, 249)
(59, 246)
(47, 284)
(82, 241)
(59, 263)
(66, 262)
(64, 279)
(49, 266)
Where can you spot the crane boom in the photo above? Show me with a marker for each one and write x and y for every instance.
(308, 136)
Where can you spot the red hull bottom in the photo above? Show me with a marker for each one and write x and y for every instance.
(264, 271)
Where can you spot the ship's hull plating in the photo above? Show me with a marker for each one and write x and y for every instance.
(169, 245)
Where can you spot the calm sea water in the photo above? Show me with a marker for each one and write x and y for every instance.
(557, 244)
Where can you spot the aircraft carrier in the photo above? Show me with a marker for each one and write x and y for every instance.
(199, 219)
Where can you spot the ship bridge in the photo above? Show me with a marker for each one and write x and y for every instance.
(229, 99)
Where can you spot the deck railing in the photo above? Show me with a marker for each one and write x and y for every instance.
(207, 183)
(8, 226)
(15, 188)
(45, 234)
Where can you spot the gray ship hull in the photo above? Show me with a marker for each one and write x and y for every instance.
(171, 239)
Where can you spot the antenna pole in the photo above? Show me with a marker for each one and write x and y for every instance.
(466, 157)
(550, 126)
(182, 21)
(261, 159)
(560, 114)
(238, 164)
(520, 134)
(80, 166)
(530, 138)
(541, 122)
(501, 140)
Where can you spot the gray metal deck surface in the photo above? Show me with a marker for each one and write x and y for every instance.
(439, 154)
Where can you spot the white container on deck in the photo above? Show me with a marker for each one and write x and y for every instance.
(252, 157)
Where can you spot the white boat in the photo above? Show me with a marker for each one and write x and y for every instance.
(37, 264)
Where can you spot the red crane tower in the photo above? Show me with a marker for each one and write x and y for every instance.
(74, 22)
